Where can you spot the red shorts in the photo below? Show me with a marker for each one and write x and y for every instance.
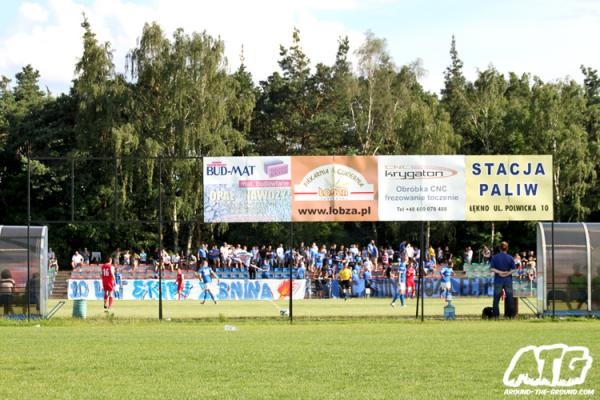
(410, 283)
(108, 286)
(179, 288)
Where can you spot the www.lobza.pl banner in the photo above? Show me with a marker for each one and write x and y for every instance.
(378, 188)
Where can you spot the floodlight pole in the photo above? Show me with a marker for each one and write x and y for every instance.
(553, 275)
(422, 269)
(160, 241)
(419, 288)
(291, 269)
(28, 285)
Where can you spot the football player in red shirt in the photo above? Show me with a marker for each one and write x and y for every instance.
(180, 284)
(108, 283)
(410, 281)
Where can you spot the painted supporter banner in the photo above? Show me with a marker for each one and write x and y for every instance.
(511, 188)
(421, 188)
(334, 188)
(247, 189)
(387, 287)
(225, 289)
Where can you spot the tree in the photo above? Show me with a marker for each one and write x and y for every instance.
(454, 97)
(185, 104)
(373, 107)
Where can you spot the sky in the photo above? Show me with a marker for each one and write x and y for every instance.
(547, 38)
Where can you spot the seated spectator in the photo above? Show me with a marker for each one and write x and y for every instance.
(7, 288)
(192, 262)
(76, 260)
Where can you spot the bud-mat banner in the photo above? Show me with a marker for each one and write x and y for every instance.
(421, 188)
(383, 188)
(224, 289)
(335, 188)
(509, 188)
(247, 189)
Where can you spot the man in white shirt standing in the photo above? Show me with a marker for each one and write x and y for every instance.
(280, 255)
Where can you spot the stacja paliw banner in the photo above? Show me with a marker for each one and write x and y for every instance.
(509, 188)
(378, 188)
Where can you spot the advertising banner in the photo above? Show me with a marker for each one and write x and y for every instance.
(509, 188)
(378, 188)
(224, 289)
(387, 287)
(247, 189)
(334, 188)
(421, 188)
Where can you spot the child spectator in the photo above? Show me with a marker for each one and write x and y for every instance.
(143, 257)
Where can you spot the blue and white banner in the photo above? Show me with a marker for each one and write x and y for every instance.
(224, 289)
(388, 287)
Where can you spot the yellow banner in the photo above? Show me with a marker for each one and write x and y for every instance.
(509, 188)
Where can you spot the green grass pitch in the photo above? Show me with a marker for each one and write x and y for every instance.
(132, 356)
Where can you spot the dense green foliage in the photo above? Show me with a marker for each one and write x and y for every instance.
(177, 98)
(362, 359)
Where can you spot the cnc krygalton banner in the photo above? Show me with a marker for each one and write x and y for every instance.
(421, 188)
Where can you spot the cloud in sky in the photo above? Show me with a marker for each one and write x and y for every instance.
(48, 35)
(549, 38)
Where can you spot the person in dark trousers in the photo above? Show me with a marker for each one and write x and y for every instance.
(7, 288)
(503, 265)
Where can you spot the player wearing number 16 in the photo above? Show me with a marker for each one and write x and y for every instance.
(108, 283)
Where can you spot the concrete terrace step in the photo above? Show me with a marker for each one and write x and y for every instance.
(60, 289)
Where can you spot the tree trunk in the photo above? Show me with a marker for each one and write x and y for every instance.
(188, 247)
(175, 227)
(493, 234)
(427, 236)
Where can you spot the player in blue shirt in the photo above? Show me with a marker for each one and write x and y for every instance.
(119, 288)
(446, 283)
(206, 274)
(401, 283)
